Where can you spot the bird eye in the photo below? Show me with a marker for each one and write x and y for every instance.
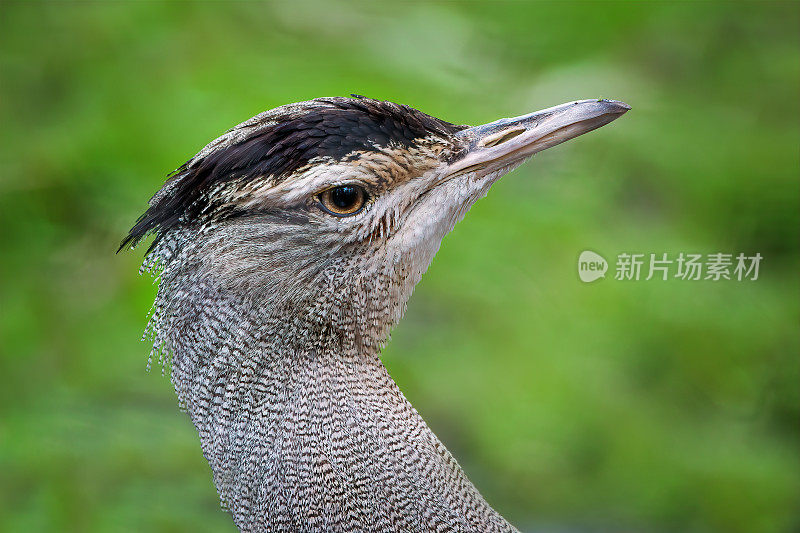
(344, 200)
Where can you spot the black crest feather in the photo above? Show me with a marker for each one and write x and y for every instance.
(328, 127)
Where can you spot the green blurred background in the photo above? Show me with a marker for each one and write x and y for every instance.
(615, 406)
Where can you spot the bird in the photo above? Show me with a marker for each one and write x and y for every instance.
(285, 252)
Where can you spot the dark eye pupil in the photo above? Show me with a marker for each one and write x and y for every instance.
(344, 197)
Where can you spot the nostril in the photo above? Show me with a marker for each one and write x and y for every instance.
(501, 137)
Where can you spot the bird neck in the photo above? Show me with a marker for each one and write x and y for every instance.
(304, 429)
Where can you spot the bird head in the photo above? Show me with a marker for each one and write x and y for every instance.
(330, 210)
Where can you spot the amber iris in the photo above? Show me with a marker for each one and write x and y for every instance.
(343, 200)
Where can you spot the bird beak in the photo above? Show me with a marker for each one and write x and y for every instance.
(507, 141)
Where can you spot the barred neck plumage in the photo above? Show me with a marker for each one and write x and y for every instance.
(304, 431)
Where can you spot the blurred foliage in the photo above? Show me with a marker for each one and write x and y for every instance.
(615, 406)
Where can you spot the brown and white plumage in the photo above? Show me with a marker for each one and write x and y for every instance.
(276, 295)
